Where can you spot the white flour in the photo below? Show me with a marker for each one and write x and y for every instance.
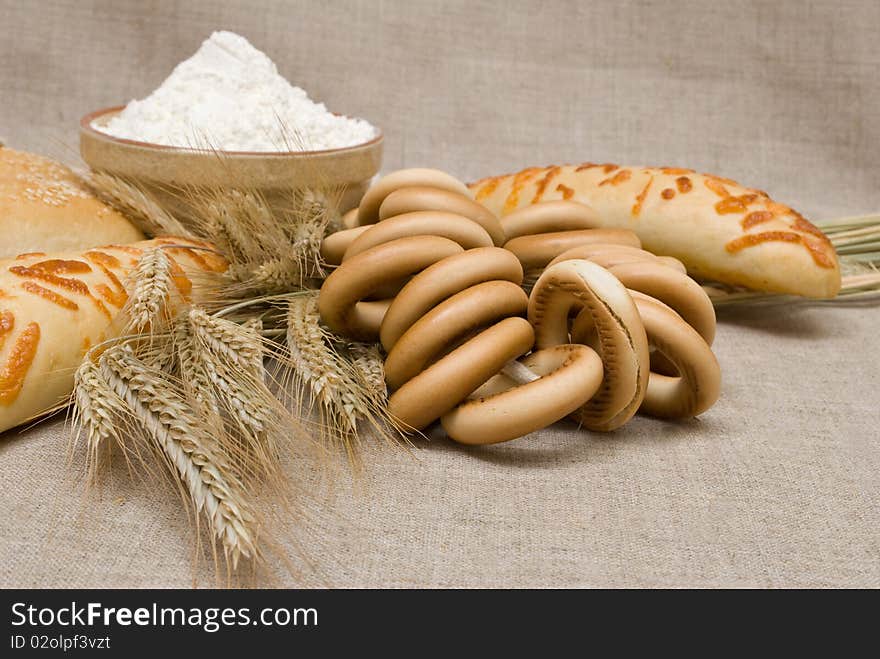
(229, 96)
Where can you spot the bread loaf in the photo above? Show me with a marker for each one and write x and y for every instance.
(45, 207)
(54, 307)
(719, 229)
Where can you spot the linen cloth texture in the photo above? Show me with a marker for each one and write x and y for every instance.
(777, 485)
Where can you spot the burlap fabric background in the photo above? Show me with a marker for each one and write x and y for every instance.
(776, 486)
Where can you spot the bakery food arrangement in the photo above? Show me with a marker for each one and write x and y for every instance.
(246, 329)
(422, 274)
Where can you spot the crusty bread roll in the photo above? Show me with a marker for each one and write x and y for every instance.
(45, 208)
(54, 307)
(719, 229)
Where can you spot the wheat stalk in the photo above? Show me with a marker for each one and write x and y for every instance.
(346, 385)
(137, 204)
(236, 393)
(308, 234)
(272, 247)
(198, 391)
(861, 285)
(854, 235)
(219, 236)
(188, 448)
(235, 213)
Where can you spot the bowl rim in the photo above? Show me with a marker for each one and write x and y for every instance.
(85, 124)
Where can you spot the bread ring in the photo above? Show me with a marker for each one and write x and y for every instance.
(349, 219)
(439, 388)
(453, 332)
(368, 211)
(570, 375)
(609, 256)
(622, 343)
(423, 198)
(333, 246)
(444, 279)
(647, 274)
(536, 251)
(686, 297)
(698, 384)
(340, 302)
(372, 312)
(551, 216)
(471, 309)
(457, 228)
(673, 263)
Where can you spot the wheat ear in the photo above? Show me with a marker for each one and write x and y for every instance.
(150, 285)
(226, 339)
(370, 368)
(237, 394)
(272, 247)
(190, 451)
(276, 275)
(346, 386)
(231, 357)
(98, 413)
(318, 367)
(195, 380)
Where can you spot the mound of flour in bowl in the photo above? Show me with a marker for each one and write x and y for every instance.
(230, 96)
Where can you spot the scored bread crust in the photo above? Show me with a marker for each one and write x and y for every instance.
(44, 206)
(55, 307)
(718, 228)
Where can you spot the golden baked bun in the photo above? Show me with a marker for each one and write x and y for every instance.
(719, 229)
(45, 208)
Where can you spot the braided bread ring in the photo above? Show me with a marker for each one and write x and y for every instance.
(368, 211)
(340, 302)
(570, 375)
(422, 198)
(550, 216)
(698, 384)
(536, 251)
(622, 342)
(457, 228)
(439, 388)
(444, 279)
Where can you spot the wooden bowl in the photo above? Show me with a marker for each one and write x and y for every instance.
(164, 169)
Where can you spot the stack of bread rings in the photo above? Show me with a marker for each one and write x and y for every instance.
(437, 279)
